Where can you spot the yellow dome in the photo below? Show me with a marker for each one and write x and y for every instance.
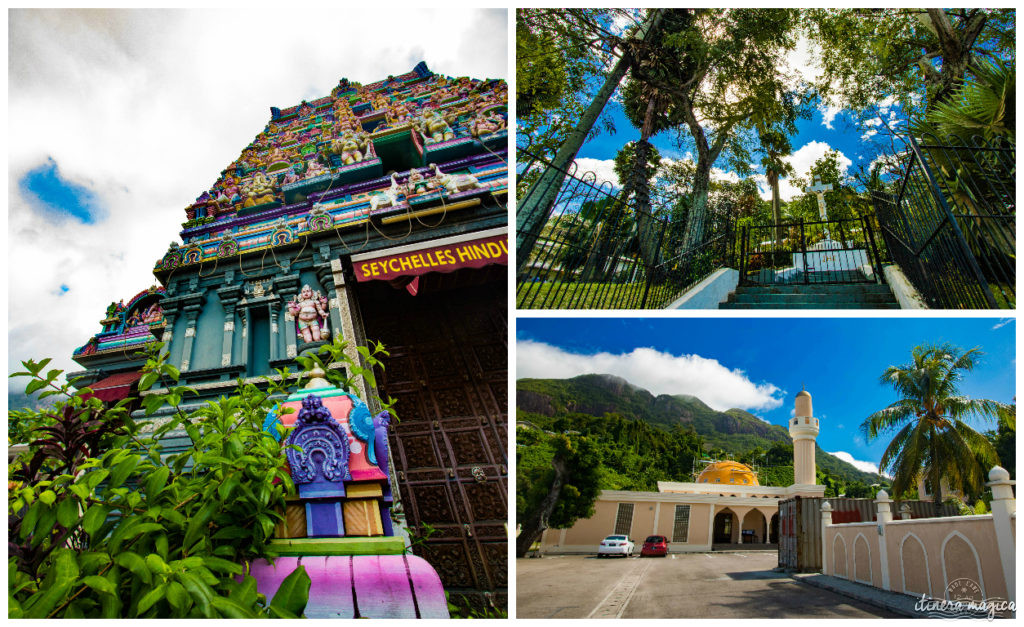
(728, 473)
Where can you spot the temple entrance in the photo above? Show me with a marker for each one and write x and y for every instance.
(722, 531)
(773, 530)
(448, 372)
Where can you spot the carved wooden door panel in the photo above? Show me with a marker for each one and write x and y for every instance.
(448, 372)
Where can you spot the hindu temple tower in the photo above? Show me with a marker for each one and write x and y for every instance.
(375, 213)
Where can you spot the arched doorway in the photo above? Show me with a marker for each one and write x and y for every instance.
(724, 526)
(773, 529)
(754, 528)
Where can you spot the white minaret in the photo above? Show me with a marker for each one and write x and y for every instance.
(803, 428)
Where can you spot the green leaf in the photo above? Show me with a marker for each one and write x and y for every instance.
(34, 385)
(48, 497)
(230, 609)
(201, 593)
(172, 372)
(67, 512)
(148, 380)
(149, 599)
(222, 565)
(99, 584)
(64, 573)
(177, 597)
(156, 564)
(94, 477)
(121, 471)
(134, 563)
(94, 518)
(198, 524)
(293, 594)
(28, 523)
(157, 480)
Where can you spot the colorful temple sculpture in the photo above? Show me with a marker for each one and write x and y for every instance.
(339, 525)
(376, 213)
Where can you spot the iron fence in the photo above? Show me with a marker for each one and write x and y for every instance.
(826, 251)
(951, 224)
(598, 251)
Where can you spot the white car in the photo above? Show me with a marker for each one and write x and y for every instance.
(615, 545)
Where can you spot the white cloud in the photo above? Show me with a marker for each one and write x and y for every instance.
(603, 169)
(144, 108)
(828, 113)
(1002, 323)
(802, 159)
(858, 464)
(868, 134)
(661, 373)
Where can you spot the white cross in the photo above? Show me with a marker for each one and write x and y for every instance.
(819, 190)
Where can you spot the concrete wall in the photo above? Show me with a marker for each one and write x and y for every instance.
(710, 292)
(924, 556)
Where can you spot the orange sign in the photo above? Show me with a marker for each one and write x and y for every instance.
(470, 254)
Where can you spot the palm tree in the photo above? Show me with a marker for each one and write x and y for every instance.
(775, 146)
(931, 437)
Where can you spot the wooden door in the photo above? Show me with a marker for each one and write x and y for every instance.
(448, 371)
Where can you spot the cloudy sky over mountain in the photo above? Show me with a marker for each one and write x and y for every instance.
(119, 119)
(759, 364)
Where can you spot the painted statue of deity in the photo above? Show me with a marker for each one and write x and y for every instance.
(310, 312)
(258, 191)
(434, 127)
(315, 169)
(350, 147)
(485, 124)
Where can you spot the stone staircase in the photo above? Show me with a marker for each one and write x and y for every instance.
(812, 296)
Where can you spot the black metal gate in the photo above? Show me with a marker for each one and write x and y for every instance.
(951, 222)
(828, 251)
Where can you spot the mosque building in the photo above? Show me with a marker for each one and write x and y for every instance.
(724, 505)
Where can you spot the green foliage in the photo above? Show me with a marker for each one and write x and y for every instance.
(911, 56)
(103, 522)
(643, 439)
(930, 437)
(982, 107)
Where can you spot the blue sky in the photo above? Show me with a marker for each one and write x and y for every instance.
(824, 130)
(761, 363)
(119, 119)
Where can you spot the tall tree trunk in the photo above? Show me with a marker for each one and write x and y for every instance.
(698, 209)
(936, 484)
(773, 179)
(647, 232)
(533, 212)
(538, 521)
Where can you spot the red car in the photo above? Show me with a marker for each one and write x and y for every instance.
(654, 546)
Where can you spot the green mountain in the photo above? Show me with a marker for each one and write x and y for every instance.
(735, 431)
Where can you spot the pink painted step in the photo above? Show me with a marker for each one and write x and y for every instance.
(385, 586)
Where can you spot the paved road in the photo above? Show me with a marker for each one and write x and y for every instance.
(688, 585)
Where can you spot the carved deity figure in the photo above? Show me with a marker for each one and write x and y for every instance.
(350, 147)
(434, 127)
(485, 124)
(258, 191)
(310, 311)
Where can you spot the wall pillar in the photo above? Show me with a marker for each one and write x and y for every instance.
(826, 522)
(243, 314)
(883, 503)
(1004, 510)
(228, 297)
(275, 330)
(191, 315)
(905, 512)
(168, 334)
(344, 304)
